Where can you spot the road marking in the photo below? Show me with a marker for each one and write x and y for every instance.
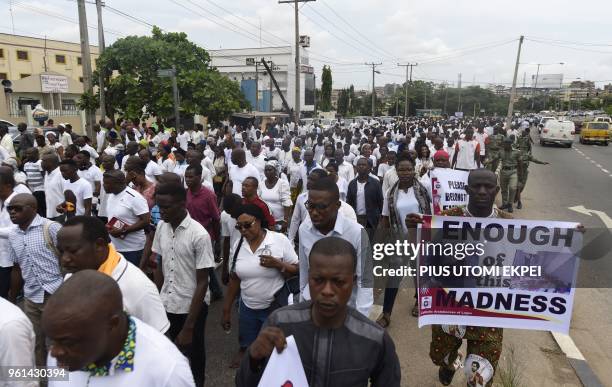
(568, 346)
(602, 215)
(599, 166)
(605, 170)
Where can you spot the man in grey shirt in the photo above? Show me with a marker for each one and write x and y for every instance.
(338, 346)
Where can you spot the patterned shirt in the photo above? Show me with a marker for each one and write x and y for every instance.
(39, 265)
(124, 361)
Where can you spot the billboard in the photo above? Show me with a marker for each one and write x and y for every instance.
(547, 81)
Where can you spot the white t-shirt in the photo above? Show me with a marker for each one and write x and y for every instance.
(342, 187)
(157, 363)
(183, 140)
(257, 283)
(406, 204)
(152, 171)
(237, 176)
(93, 174)
(16, 339)
(382, 169)
(82, 190)
(465, 155)
(35, 175)
(127, 206)
(54, 192)
(361, 206)
(228, 228)
(276, 198)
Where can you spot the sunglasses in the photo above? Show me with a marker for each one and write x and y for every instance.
(316, 206)
(244, 226)
(15, 208)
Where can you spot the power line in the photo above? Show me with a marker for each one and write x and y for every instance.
(568, 47)
(372, 47)
(128, 16)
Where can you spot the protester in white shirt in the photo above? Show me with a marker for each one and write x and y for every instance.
(261, 260)
(89, 304)
(186, 255)
(256, 158)
(153, 169)
(240, 170)
(276, 194)
(77, 192)
(183, 138)
(17, 341)
(128, 216)
(323, 205)
(85, 244)
(54, 185)
(7, 184)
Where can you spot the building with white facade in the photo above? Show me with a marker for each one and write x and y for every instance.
(244, 66)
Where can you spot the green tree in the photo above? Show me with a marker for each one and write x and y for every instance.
(343, 103)
(130, 67)
(326, 88)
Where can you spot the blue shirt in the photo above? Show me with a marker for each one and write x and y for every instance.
(39, 266)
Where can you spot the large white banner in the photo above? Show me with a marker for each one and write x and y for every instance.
(504, 273)
(54, 83)
(448, 189)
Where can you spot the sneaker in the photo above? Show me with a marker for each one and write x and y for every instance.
(446, 375)
(509, 209)
(519, 205)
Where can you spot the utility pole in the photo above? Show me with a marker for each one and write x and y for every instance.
(513, 92)
(315, 96)
(297, 107)
(535, 86)
(256, 85)
(459, 107)
(408, 79)
(270, 86)
(86, 64)
(175, 95)
(101, 47)
(374, 71)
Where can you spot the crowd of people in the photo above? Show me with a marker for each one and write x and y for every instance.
(110, 245)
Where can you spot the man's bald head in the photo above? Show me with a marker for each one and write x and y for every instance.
(84, 320)
(25, 199)
(482, 173)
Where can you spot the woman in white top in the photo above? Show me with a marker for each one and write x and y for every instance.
(59, 149)
(423, 162)
(260, 262)
(294, 170)
(275, 192)
(406, 196)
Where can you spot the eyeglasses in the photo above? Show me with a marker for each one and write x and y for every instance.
(244, 226)
(310, 206)
(15, 208)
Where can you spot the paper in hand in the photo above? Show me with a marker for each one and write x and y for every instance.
(284, 369)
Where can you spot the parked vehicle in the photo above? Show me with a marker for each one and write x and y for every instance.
(557, 132)
(595, 132)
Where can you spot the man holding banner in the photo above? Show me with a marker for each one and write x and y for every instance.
(478, 307)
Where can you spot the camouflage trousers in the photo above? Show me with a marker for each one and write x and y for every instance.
(493, 156)
(508, 182)
(522, 177)
(484, 346)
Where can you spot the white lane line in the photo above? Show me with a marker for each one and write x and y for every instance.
(605, 170)
(592, 161)
(568, 346)
(587, 157)
(599, 166)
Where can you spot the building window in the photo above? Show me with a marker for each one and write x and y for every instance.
(69, 104)
(81, 79)
(79, 61)
(2, 53)
(23, 55)
(24, 75)
(3, 76)
(60, 59)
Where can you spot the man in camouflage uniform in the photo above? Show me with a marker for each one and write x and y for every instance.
(484, 344)
(511, 167)
(493, 147)
(524, 147)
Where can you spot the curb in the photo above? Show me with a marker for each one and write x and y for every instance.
(577, 361)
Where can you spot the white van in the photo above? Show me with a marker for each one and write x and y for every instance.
(558, 132)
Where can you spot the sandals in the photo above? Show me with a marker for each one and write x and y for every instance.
(384, 320)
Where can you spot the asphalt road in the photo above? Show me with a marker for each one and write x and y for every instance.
(581, 176)
(571, 180)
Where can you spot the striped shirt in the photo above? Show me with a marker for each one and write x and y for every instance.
(35, 175)
(39, 265)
